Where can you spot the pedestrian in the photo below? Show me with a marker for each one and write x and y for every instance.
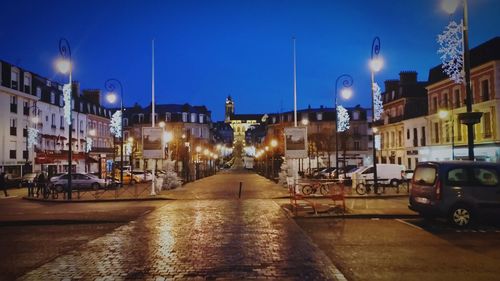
(31, 187)
(3, 185)
(40, 185)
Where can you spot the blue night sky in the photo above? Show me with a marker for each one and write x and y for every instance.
(206, 50)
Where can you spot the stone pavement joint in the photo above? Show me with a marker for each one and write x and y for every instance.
(211, 239)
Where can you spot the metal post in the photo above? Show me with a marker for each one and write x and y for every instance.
(375, 51)
(347, 82)
(65, 51)
(110, 86)
(239, 194)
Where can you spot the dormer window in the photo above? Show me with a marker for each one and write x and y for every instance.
(14, 79)
(39, 92)
(52, 98)
(141, 118)
(27, 83)
(61, 100)
(319, 116)
(355, 115)
(201, 118)
(193, 117)
(184, 117)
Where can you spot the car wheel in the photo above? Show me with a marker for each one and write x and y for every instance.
(95, 186)
(394, 182)
(461, 215)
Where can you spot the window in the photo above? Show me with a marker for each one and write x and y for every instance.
(39, 92)
(436, 132)
(141, 118)
(13, 104)
(409, 163)
(27, 83)
(26, 108)
(193, 117)
(12, 154)
(53, 120)
(458, 101)
(25, 154)
(13, 127)
(356, 145)
(184, 117)
(14, 79)
(422, 141)
(408, 134)
(201, 118)
(369, 171)
(486, 176)
(125, 122)
(458, 176)
(81, 126)
(52, 98)
(486, 125)
(355, 115)
(424, 175)
(447, 132)
(459, 131)
(434, 103)
(415, 137)
(400, 138)
(319, 116)
(485, 90)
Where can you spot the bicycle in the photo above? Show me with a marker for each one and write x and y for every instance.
(313, 188)
(364, 188)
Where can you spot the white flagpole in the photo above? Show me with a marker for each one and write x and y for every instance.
(153, 189)
(294, 84)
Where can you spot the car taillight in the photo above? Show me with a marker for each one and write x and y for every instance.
(438, 190)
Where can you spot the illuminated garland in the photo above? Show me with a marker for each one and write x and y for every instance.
(377, 102)
(116, 124)
(342, 119)
(128, 148)
(451, 51)
(88, 144)
(67, 103)
(32, 136)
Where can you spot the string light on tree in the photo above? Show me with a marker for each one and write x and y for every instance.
(378, 106)
(116, 124)
(343, 119)
(88, 144)
(451, 51)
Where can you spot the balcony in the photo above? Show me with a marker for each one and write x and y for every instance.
(396, 119)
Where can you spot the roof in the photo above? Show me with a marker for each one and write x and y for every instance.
(246, 116)
(488, 51)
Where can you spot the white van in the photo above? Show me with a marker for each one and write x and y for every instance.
(386, 174)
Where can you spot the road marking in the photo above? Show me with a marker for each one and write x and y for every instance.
(409, 224)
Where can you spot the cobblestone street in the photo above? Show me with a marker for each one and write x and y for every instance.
(206, 235)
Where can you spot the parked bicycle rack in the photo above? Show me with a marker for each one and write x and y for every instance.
(336, 193)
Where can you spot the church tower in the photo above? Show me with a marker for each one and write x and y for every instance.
(229, 109)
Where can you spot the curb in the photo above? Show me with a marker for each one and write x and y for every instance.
(353, 196)
(97, 200)
(58, 222)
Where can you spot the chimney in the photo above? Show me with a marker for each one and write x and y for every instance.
(408, 77)
(92, 95)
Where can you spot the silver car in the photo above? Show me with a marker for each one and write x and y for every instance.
(78, 181)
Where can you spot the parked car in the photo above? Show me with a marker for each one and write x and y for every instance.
(78, 181)
(28, 178)
(143, 176)
(12, 180)
(128, 178)
(388, 174)
(407, 174)
(461, 191)
(325, 173)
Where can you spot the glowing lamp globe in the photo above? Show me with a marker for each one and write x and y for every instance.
(63, 66)
(376, 64)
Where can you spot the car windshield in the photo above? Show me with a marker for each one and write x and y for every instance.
(425, 175)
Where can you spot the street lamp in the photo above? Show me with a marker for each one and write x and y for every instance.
(376, 64)
(274, 144)
(448, 116)
(468, 118)
(110, 86)
(345, 93)
(64, 65)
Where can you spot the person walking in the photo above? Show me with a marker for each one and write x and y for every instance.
(3, 185)
(41, 185)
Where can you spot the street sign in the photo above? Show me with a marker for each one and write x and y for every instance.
(152, 147)
(296, 142)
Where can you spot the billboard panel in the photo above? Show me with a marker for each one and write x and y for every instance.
(296, 142)
(152, 145)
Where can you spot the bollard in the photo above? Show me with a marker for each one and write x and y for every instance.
(239, 194)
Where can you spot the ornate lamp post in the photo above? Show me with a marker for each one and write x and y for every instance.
(346, 93)
(64, 65)
(375, 66)
(274, 144)
(110, 86)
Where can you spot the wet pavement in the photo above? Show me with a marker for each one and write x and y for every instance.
(208, 234)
